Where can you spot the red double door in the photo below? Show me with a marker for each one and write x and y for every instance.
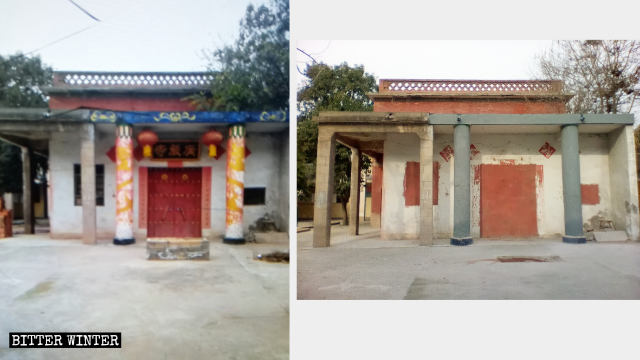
(174, 208)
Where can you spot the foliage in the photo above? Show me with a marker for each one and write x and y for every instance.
(20, 80)
(253, 73)
(604, 75)
(337, 88)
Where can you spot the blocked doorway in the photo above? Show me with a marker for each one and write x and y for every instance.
(174, 208)
(508, 201)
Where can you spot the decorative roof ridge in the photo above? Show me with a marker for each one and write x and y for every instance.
(470, 87)
(130, 80)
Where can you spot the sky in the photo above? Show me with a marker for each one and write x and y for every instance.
(435, 59)
(140, 35)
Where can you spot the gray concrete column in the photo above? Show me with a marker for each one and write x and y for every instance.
(354, 194)
(324, 188)
(571, 186)
(27, 204)
(461, 186)
(88, 184)
(426, 187)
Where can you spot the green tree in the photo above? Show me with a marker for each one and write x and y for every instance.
(327, 88)
(603, 75)
(253, 73)
(20, 80)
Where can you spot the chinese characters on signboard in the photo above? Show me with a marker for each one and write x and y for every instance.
(176, 150)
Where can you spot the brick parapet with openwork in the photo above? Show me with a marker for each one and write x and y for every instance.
(471, 87)
(139, 80)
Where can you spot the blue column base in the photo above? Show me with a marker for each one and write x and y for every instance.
(461, 241)
(124, 241)
(233, 241)
(574, 239)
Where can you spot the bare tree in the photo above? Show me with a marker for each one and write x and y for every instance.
(603, 75)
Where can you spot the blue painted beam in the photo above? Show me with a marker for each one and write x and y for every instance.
(172, 117)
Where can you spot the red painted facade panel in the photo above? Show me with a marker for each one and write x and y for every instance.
(376, 189)
(436, 180)
(412, 184)
(590, 194)
(174, 202)
(469, 106)
(508, 201)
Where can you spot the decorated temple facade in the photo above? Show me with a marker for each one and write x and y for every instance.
(458, 160)
(131, 160)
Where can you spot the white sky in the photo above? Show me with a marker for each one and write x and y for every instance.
(454, 59)
(140, 35)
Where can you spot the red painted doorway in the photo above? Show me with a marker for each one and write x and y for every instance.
(508, 201)
(174, 208)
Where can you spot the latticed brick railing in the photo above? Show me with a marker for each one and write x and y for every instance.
(131, 80)
(471, 87)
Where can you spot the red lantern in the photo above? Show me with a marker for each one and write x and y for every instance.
(147, 138)
(212, 138)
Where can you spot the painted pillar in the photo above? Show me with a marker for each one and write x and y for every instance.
(426, 186)
(124, 185)
(324, 188)
(27, 204)
(235, 185)
(88, 184)
(354, 194)
(461, 186)
(571, 186)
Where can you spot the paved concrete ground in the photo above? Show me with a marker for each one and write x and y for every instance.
(369, 268)
(231, 307)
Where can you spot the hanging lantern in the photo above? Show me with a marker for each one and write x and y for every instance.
(147, 138)
(212, 138)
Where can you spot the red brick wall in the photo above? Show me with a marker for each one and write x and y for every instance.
(120, 103)
(468, 106)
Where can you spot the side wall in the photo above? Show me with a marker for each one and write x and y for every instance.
(624, 193)
(398, 221)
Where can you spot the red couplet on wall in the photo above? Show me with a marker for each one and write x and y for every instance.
(508, 201)
(174, 202)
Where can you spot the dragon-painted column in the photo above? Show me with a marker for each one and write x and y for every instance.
(124, 184)
(235, 185)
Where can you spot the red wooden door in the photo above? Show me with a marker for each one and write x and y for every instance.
(174, 202)
(508, 201)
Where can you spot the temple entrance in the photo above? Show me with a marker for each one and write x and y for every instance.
(174, 208)
(508, 201)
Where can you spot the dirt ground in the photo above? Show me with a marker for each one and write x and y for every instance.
(366, 267)
(231, 307)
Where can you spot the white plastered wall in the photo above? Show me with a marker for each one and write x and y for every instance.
(522, 149)
(623, 174)
(398, 221)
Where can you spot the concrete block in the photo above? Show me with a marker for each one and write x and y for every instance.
(177, 249)
(608, 236)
